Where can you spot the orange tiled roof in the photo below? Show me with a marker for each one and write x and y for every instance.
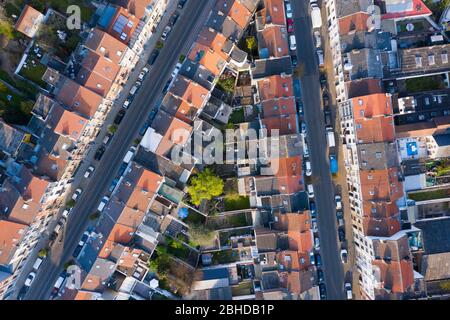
(380, 184)
(378, 104)
(275, 87)
(290, 175)
(135, 7)
(10, 236)
(107, 248)
(278, 107)
(275, 9)
(126, 22)
(203, 55)
(274, 38)
(240, 14)
(380, 209)
(286, 125)
(70, 125)
(29, 21)
(177, 133)
(292, 260)
(213, 40)
(353, 22)
(379, 129)
(106, 45)
(79, 98)
(121, 234)
(397, 276)
(189, 91)
(384, 227)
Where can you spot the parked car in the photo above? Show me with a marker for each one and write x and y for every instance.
(304, 130)
(29, 280)
(310, 189)
(308, 170)
(323, 81)
(338, 201)
(107, 138)
(311, 258)
(312, 208)
(66, 213)
(77, 194)
(288, 10)
(37, 264)
(176, 70)
(89, 171)
(126, 103)
(294, 60)
(58, 285)
(323, 291)
(318, 260)
(292, 42)
(316, 243)
(325, 100)
(103, 203)
(344, 256)
(327, 117)
(83, 239)
(348, 290)
(174, 18)
(341, 234)
(153, 57)
(340, 218)
(317, 39)
(166, 33)
(290, 25)
(299, 107)
(320, 276)
(143, 73)
(320, 58)
(181, 4)
(99, 153)
(119, 117)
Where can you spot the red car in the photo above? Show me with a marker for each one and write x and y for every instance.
(290, 25)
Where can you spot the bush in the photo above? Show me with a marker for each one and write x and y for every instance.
(70, 203)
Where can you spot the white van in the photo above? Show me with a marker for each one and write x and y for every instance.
(308, 168)
(103, 203)
(305, 150)
(292, 42)
(133, 90)
(37, 264)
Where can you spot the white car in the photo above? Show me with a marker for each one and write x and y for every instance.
(103, 203)
(308, 168)
(348, 290)
(165, 33)
(288, 10)
(76, 194)
(338, 200)
(344, 256)
(176, 70)
(143, 73)
(292, 42)
(126, 104)
(318, 39)
(66, 213)
(89, 171)
(317, 243)
(29, 280)
(304, 130)
(310, 190)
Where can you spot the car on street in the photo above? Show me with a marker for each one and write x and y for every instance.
(29, 280)
(288, 10)
(294, 60)
(320, 58)
(84, 238)
(153, 57)
(181, 4)
(77, 194)
(37, 264)
(325, 100)
(299, 107)
(310, 190)
(317, 39)
(312, 208)
(338, 201)
(341, 234)
(126, 103)
(176, 70)
(327, 117)
(340, 218)
(89, 171)
(316, 243)
(323, 291)
(166, 33)
(304, 130)
(174, 18)
(323, 81)
(143, 73)
(58, 285)
(314, 226)
(119, 117)
(66, 213)
(103, 203)
(290, 25)
(344, 256)
(320, 276)
(348, 290)
(311, 258)
(292, 42)
(318, 260)
(308, 170)
(99, 153)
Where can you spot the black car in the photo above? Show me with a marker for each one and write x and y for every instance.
(174, 18)
(341, 234)
(318, 260)
(181, 4)
(294, 61)
(320, 276)
(299, 107)
(327, 116)
(312, 208)
(100, 151)
(323, 291)
(153, 57)
(326, 100)
(323, 81)
(166, 86)
(118, 119)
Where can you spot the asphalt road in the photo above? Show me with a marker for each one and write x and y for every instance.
(183, 34)
(317, 144)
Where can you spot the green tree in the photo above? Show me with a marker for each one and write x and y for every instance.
(112, 129)
(251, 44)
(205, 186)
(160, 264)
(6, 29)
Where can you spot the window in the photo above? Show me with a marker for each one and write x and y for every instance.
(444, 57)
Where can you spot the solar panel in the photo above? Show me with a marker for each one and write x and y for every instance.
(120, 24)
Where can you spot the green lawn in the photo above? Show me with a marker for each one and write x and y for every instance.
(236, 202)
(14, 109)
(424, 84)
(34, 73)
(177, 249)
(242, 289)
(225, 256)
(429, 195)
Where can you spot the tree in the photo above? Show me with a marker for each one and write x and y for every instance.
(445, 285)
(200, 234)
(205, 186)
(112, 129)
(251, 44)
(6, 29)
(160, 264)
